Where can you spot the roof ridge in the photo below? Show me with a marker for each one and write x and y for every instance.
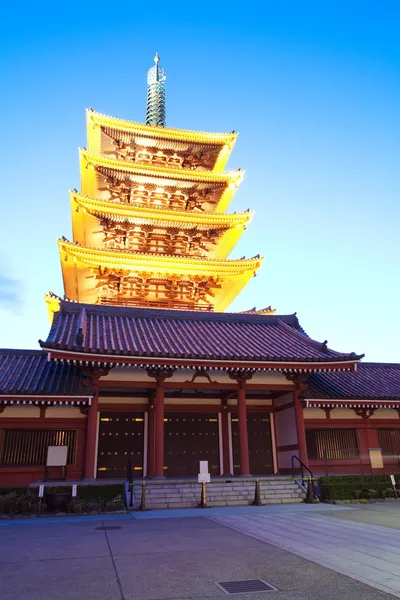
(22, 351)
(160, 130)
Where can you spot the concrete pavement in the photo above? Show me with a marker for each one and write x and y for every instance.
(150, 558)
(351, 542)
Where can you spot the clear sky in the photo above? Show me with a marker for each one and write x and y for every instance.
(313, 89)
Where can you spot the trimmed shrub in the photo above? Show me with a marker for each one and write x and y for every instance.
(355, 487)
(99, 498)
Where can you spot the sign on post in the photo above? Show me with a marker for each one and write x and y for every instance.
(41, 491)
(392, 479)
(204, 475)
(57, 456)
(74, 490)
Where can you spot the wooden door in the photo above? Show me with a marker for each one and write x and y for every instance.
(121, 436)
(190, 438)
(260, 444)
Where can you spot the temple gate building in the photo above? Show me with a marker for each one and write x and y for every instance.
(144, 365)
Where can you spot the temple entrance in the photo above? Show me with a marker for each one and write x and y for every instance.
(120, 439)
(260, 444)
(189, 438)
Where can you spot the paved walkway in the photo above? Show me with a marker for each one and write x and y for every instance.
(156, 558)
(347, 541)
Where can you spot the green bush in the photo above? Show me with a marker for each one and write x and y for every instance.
(99, 498)
(355, 487)
(18, 501)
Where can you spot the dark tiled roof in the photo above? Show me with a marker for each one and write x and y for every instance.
(184, 334)
(28, 372)
(370, 381)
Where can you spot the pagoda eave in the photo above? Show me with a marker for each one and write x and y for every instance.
(99, 119)
(227, 177)
(134, 214)
(171, 265)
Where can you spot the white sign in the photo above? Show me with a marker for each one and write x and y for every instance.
(57, 456)
(74, 489)
(204, 467)
(204, 478)
(392, 479)
(41, 491)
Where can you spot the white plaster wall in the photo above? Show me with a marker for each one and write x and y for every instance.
(64, 412)
(180, 375)
(285, 458)
(344, 413)
(22, 412)
(123, 400)
(386, 413)
(127, 374)
(314, 413)
(285, 422)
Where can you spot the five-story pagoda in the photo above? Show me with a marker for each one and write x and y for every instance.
(149, 224)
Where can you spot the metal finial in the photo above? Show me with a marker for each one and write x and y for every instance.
(155, 112)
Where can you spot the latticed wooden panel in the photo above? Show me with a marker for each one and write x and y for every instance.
(389, 441)
(28, 447)
(332, 444)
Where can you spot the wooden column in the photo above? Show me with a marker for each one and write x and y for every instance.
(91, 438)
(243, 436)
(151, 438)
(225, 439)
(91, 379)
(241, 378)
(300, 427)
(160, 375)
(159, 427)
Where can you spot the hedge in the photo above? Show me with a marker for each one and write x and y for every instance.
(99, 498)
(356, 487)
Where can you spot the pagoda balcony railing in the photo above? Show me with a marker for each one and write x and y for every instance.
(168, 304)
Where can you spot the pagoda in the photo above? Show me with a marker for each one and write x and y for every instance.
(149, 227)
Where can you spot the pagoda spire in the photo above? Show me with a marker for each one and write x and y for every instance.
(155, 112)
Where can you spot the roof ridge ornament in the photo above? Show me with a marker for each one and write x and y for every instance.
(155, 111)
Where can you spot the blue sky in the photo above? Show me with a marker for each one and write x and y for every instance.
(313, 89)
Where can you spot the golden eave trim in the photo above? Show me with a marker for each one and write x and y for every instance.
(123, 212)
(154, 262)
(228, 177)
(220, 139)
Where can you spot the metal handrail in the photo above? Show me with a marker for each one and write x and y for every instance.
(302, 468)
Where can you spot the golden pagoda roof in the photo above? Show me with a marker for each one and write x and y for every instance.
(162, 217)
(78, 263)
(224, 185)
(163, 264)
(164, 132)
(226, 177)
(219, 232)
(161, 136)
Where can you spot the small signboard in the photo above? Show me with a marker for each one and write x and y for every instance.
(74, 490)
(204, 475)
(375, 456)
(57, 456)
(203, 467)
(392, 479)
(41, 491)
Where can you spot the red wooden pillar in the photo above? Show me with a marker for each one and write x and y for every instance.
(151, 439)
(243, 436)
(300, 427)
(159, 428)
(226, 463)
(91, 438)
